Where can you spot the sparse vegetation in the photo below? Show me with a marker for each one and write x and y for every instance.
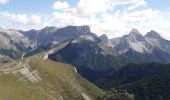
(59, 82)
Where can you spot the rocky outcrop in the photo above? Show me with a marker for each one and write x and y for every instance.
(22, 68)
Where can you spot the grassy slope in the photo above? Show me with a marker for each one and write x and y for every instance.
(58, 81)
(5, 59)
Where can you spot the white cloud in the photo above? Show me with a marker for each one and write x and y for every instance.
(90, 7)
(15, 18)
(137, 4)
(4, 1)
(98, 16)
(20, 21)
(58, 5)
(140, 16)
(134, 3)
(102, 16)
(36, 19)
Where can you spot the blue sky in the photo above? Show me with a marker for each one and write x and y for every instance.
(45, 6)
(28, 6)
(31, 6)
(159, 4)
(112, 17)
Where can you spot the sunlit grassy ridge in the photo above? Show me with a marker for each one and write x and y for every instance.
(58, 82)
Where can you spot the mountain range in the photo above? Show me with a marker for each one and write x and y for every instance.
(96, 58)
(85, 50)
(148, 48)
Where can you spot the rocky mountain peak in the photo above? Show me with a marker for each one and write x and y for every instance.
(153, 34)
(104, 38)
(84, 29)
(50, 28)
(136, 35)
(134, 32)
